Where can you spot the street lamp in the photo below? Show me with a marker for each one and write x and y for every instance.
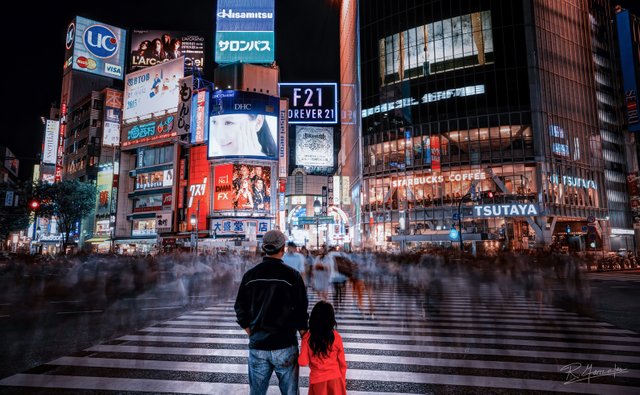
(194, 225)
(317, 207)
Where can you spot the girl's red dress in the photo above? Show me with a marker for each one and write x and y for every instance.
(328, 376)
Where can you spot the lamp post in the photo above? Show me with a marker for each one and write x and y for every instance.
(317, 207)
(460, 219)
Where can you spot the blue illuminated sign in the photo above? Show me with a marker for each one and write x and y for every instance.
(629, 70)
(244, 31)
(97, 48)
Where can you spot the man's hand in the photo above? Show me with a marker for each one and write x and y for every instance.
(248, 330)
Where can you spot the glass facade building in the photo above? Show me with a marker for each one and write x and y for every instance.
(471, 108)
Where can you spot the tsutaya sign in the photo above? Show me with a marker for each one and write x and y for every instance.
(437, 179)
(573, 181)
(506, 210)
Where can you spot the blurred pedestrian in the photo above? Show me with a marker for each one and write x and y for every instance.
(321, 278)
(322, 349)
(271, 305)
(294, 259)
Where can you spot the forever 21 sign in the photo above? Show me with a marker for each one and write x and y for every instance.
(311, 103)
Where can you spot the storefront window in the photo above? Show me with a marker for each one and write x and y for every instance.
(144, 227)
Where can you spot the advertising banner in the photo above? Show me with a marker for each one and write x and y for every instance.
(244, 31)
(163, 128)
(198, 192)
(435, 153)
(243, 124)
(239, 226)
(241, 187)
(97, 48)
(184, 105)
(311, 103)
(11, 163)
(112, 117)
(314, 146)
(103, 196)
(153, 90)
(629, 69)
(199, 121)
(164, 221)
(283, 152)
(50, 148)
(152, 47)
(155, 179)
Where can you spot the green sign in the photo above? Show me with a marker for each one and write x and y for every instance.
(245, 47)
(312, 220)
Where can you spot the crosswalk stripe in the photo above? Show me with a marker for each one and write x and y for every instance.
(432, 324)
(517, 353)
(493, 332)
(435, 339)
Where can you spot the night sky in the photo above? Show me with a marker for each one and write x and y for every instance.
(306, 50)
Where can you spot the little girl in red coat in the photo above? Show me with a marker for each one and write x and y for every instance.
(323, 351)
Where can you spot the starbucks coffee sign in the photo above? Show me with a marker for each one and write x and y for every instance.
(506, 210)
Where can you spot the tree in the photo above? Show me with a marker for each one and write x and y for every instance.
(69, 200)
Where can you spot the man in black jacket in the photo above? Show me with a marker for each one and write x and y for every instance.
(271, 305)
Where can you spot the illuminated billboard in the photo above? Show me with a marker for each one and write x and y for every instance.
(199, 117)
(440, 46)
(163, 128)
(244, 31)
(95, 48)
(153, 90)
(112, 117)
(50, 148)
(103, 196)
(311, 103)
(11, 163)
(629, 69)
(235, 226)
(243, 124)
(314, 146)
(152, 47)
(198, 191)
(241, 187)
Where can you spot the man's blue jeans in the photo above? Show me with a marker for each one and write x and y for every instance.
(262, 363)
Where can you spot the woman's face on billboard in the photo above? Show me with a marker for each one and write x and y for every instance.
(236, 134)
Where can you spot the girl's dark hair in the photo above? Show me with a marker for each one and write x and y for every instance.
(321, 324)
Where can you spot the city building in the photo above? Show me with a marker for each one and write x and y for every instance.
(495, 123)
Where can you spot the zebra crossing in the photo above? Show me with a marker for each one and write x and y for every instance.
(624, 275)
(394, 347)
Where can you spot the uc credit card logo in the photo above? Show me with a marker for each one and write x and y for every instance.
(100, 41)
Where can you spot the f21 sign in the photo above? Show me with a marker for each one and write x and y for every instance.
(311, 103)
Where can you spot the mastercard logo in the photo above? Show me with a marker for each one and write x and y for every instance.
(86, 63)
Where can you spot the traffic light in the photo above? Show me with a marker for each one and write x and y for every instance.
(490, 194)
(34, 205)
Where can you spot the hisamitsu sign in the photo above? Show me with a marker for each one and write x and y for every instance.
(506, 210)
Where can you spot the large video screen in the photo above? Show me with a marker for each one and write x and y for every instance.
(440, 46)
(242, 187)
(152, 47)
(95, 48)
(153, 90)
(243, 124)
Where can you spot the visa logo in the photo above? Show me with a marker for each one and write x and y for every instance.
(113, 69)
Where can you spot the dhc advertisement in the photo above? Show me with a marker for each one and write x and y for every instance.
(243, 124)
(96, 48)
